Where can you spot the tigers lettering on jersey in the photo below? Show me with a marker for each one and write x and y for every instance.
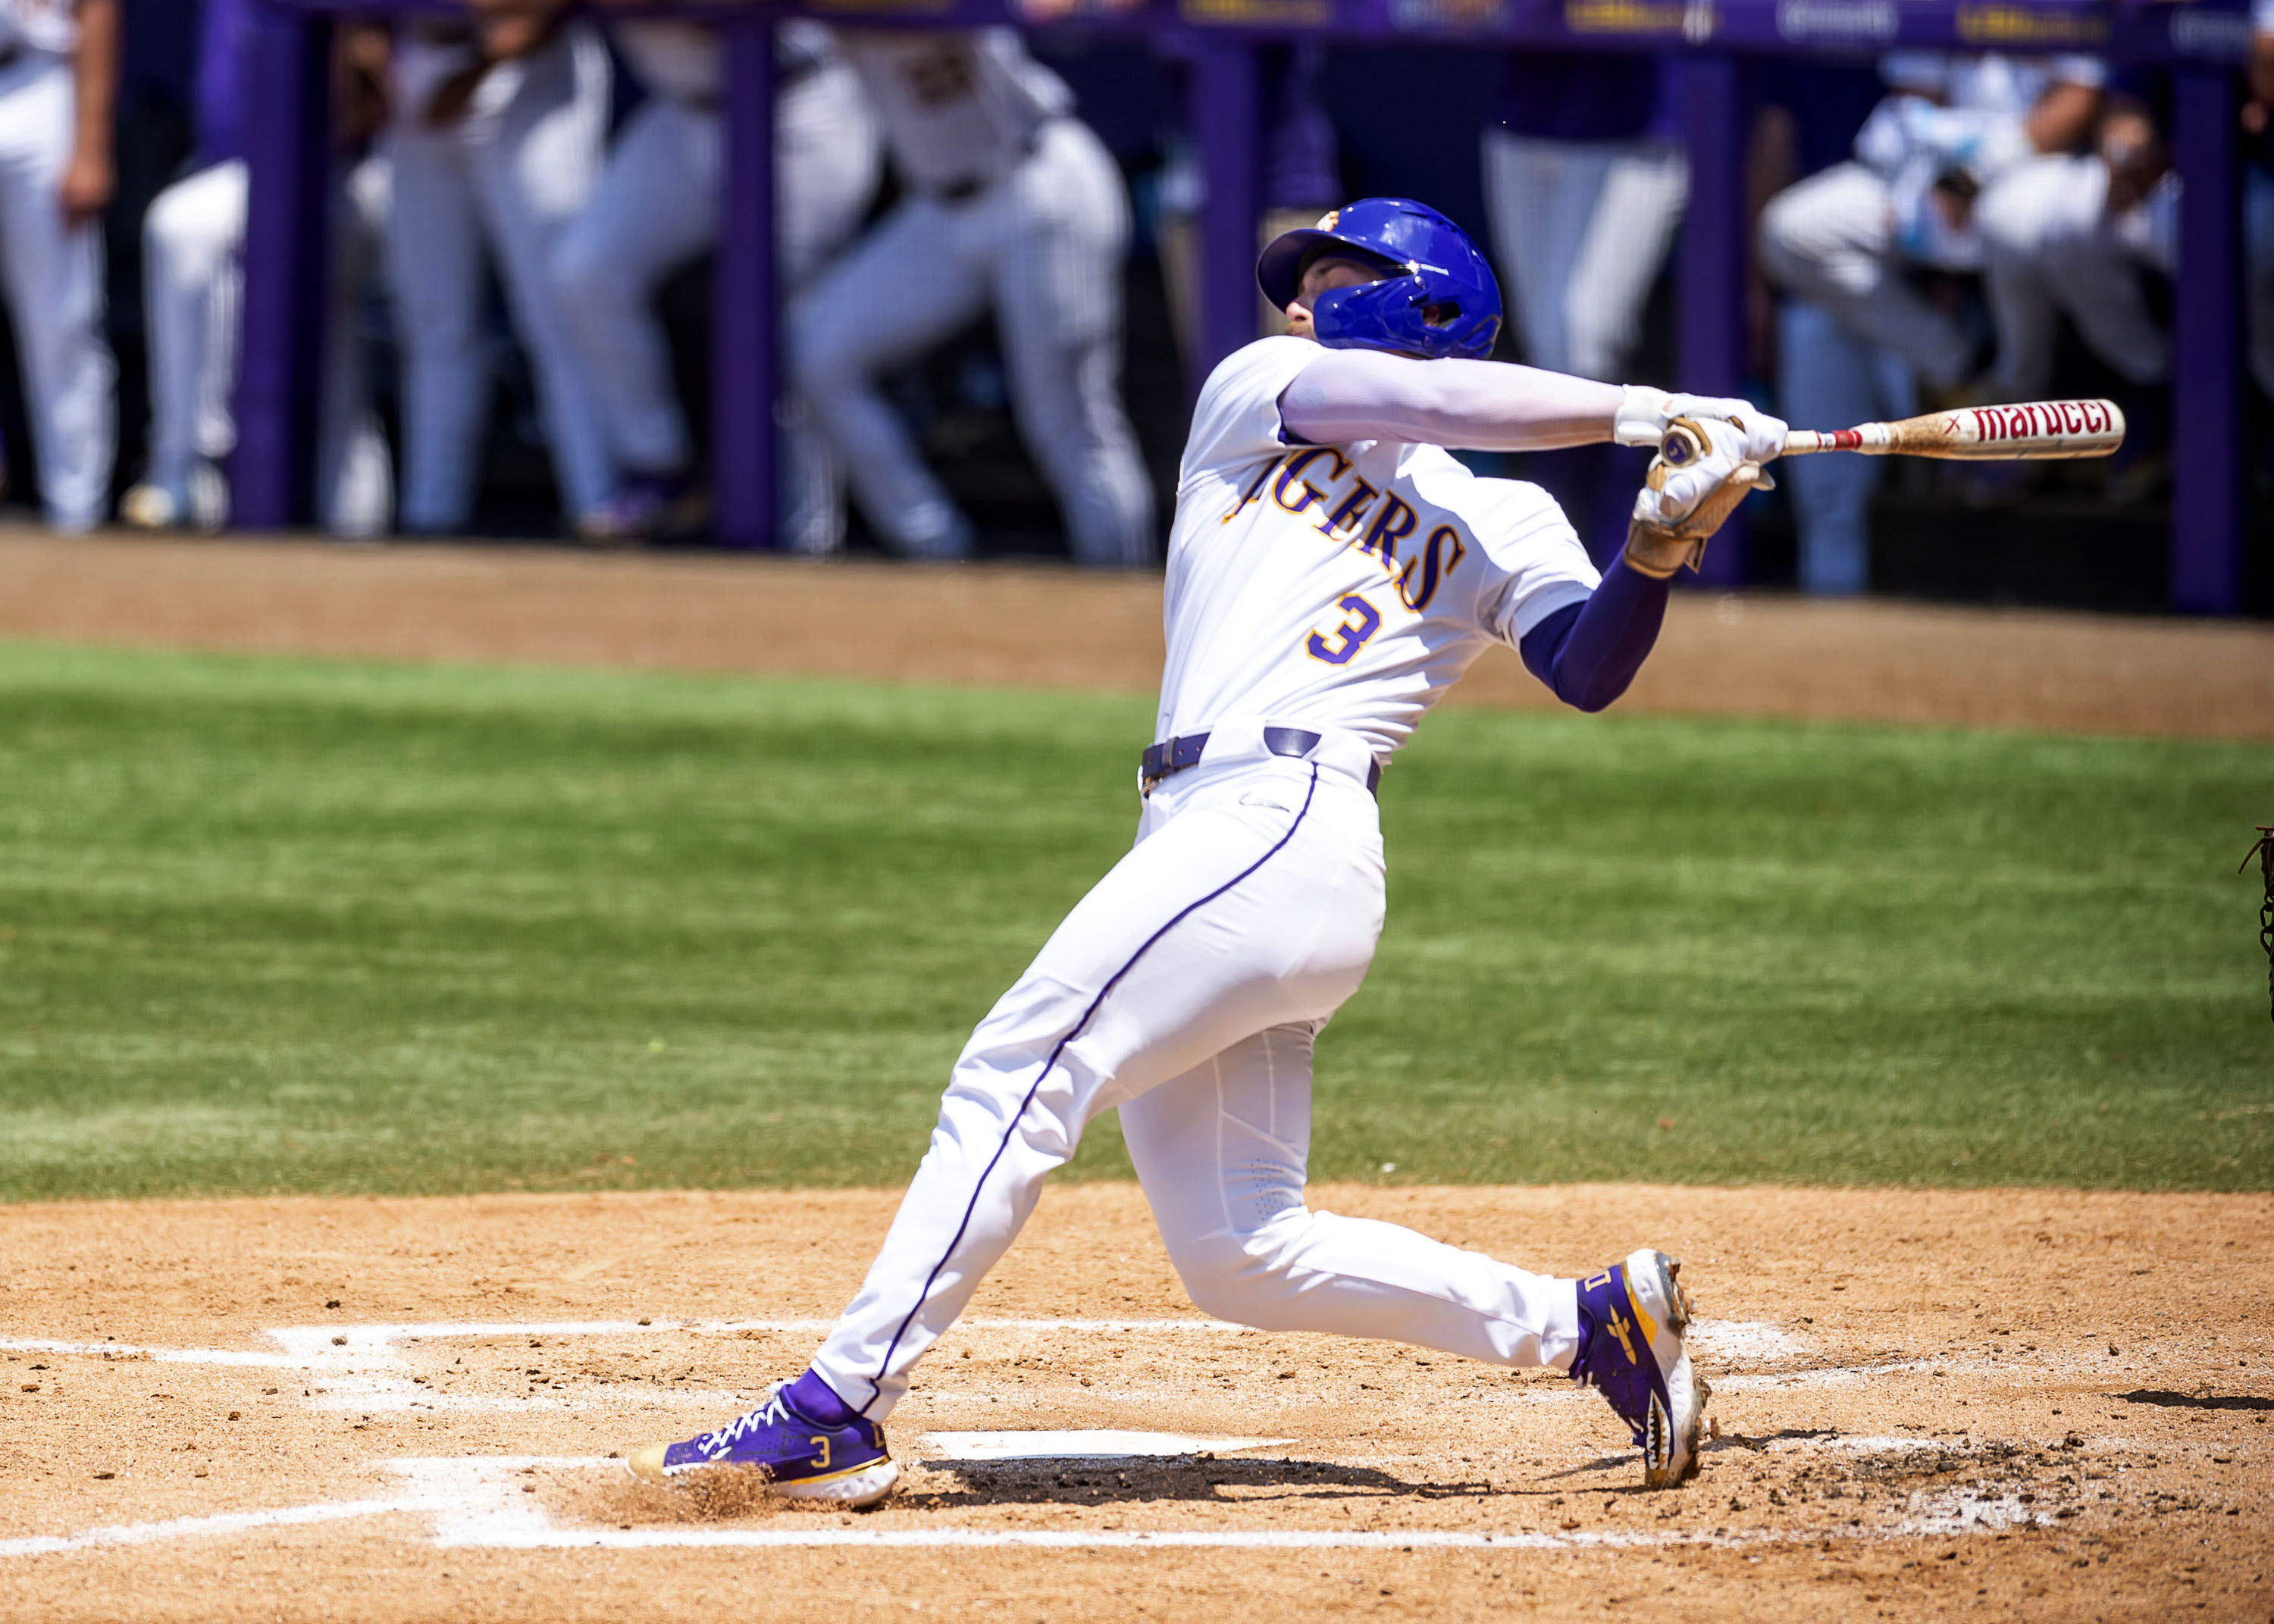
(1342, 586)
(1343, 511)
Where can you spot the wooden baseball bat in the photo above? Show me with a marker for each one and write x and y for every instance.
(2027, 430)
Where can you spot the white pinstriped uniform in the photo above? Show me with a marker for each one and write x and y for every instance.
(1580, 226)
(1012, 204)
(53, 270)
(193, 282)
(500, 183)
(2051, 247)
(657, 207)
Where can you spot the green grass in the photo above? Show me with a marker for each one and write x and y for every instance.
(271, 924)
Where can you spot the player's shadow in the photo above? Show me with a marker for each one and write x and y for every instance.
(1093, 1482)
(2196, 1401)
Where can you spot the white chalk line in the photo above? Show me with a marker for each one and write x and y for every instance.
(323, 1347)
(224, 1523)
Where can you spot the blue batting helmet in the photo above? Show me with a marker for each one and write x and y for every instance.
(1446, 302)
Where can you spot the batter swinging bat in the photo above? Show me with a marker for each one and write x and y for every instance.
(2029, 430)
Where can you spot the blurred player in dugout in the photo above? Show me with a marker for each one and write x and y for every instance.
(656, 208)
(1584, 185)
(1009, 203)
(58, 79)
(192, 263)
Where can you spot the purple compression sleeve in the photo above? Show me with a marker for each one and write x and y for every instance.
(1588, 653)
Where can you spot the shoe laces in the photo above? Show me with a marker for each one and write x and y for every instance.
(773, 1412)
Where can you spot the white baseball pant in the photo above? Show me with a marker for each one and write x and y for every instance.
(1043, 247)
(1580, 229)
(2050, 248)
(655, 208)
(507, 177)
(54, 275)
(1186, 989)
(194, 280)
(1830, 240)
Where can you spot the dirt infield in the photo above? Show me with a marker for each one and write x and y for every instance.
(1979, 1405)
(1748, 655)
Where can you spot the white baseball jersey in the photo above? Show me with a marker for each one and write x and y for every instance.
(1341, 586)
(39, 25)
(956, 106)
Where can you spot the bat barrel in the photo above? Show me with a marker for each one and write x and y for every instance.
(2024, 431)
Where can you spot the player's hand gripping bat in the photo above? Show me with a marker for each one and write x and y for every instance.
(2026, 431)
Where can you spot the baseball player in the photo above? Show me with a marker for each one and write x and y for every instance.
(58, 79)
(1842, 243)
(1332, 571)
(1009, 203)
(495, 143)
(657, 207)
(194, 278)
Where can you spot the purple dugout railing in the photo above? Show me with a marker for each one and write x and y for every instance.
(2202, 40)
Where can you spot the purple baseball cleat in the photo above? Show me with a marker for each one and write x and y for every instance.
(1632, 1316)
(803, 1438)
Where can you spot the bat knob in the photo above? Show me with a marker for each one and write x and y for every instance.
(1682, 446)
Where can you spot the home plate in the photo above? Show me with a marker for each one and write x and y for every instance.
(1106, 1444)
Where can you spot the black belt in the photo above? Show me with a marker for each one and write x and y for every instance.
(1171, 756)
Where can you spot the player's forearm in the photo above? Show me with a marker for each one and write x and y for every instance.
(94, 74)
(1346, 394)
(1588, 655)
(2063, 117)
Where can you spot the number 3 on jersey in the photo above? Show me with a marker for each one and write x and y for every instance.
(1341, 645)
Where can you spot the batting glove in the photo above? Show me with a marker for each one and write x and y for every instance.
(1700, 474)
(1645, 413)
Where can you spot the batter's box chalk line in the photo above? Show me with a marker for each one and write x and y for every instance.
(364, 1368)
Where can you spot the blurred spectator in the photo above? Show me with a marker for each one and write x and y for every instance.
(495, 141)
(1857, 331)
(58, 77)
(657, 207)
(1008, 202)
(193, 244)
(1301, 180)
(1583, 187)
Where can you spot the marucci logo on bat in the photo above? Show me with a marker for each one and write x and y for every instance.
(2037, 418)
